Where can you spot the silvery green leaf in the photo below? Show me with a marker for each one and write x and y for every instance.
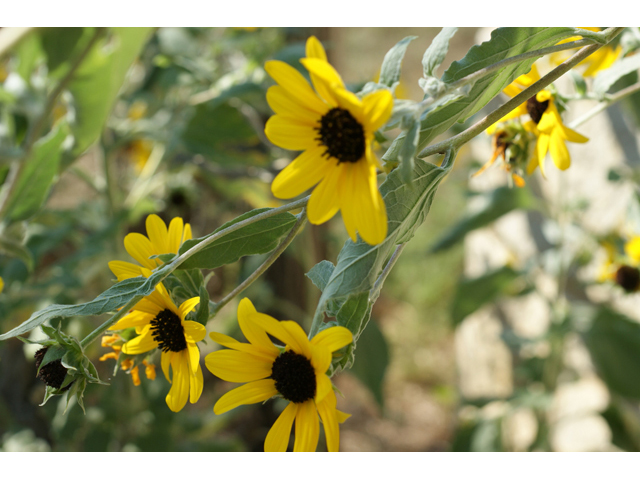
(432, 86)
(434, 55)
(401, 109)
(408, 151)
(392, 63)
(606, 78)
(320, 273)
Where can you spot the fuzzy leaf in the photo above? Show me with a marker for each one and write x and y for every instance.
(254, 239)
(408, 151)
(434, 56)
(605, 79)
(320, 273)
(392, 63)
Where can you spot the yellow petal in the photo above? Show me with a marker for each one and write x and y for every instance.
(194, 332)
(278, 436)
(252, 331)
(314, 49)
(333, 338)
(559, 152)
(187, 306)
(307, 428)
(254, 392)
(123, 270)
(245, 347)
(141, 344)
(347, 192)
(632, 249)
(179, 393)
(325, 79)
(193, 355)
(285, 105)
(309, 168)
(293, 82)
(290, 333)
(290, 134)
(377, 107)
(237, 367)
(542, 147)
(140, 248)
(175, 234)
(196, 384)
(371, 214)
(165, 361)
(324, 201)
(573, 136)
(158, 234)
(349, 101)
(323, 385)
(187, 235)
(328, 414)
(133, 319)
(550, 120)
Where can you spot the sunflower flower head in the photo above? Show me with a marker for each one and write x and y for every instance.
(544, 122)
(334, 129)
(162, 325)
(296, 372)
(160, 240)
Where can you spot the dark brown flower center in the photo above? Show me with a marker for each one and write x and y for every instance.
(53, 373)
(294, 376)
(342, 135)
(536, 109)
(628, 278)
(167, 330)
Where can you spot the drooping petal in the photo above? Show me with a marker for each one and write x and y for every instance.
(348, 204)
(165, 361)
(158, 234)
(323, 386)
(253, 392)
(123, 270)
(194, 332)
(371, 213)
(244, 347)
(251, 330)
(193, 355)
(278, 436)
(542, 147)
(237, 367)
(559, 151)
(308, 169)
(377, 107)
(179, 393)
(290, 134)
(293, 82)
(282, 103)
(307, 428)
(187, 306)
(328, 414)
(141, 344)
(176, 228)
(140, 248)
(196, 385)
(333, 338)
(324, 201)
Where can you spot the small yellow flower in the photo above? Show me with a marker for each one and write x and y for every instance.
(138, 152)
(160, 240)
(1, 284)
(335, 129)
(298, 374)
(599, 60)
(545, 124)
(162, 325)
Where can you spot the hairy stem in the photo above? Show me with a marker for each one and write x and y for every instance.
(606, 103)
(302, 219)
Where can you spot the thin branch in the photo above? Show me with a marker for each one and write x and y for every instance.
(609, 100)
(302, 219)
(375, 291)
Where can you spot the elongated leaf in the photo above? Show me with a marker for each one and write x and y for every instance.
(408, 151)
(98, 80)
(605, 79)
(434, 56)
(359, 264)
(372, 361)
(320, 273)
(475, 292)
(255, 239)
(392, 63)
(614, 344)
(504, 43)
(32, 187)
(497, 203)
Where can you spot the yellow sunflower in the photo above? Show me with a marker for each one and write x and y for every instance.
(297, 373)
(335, 129)
(162, 325)
(160, 240)
(599, 60)
(545, 123)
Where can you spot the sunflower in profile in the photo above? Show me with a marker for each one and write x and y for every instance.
(296, 372)
(160, 240)
(334, 128)
(545, 123)
(161, 324)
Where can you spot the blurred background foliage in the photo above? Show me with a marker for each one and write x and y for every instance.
(101, 127)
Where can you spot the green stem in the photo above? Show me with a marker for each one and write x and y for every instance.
(375, 291)
(167, 268)
(302, 219)
(606, 103)
(516, 101)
